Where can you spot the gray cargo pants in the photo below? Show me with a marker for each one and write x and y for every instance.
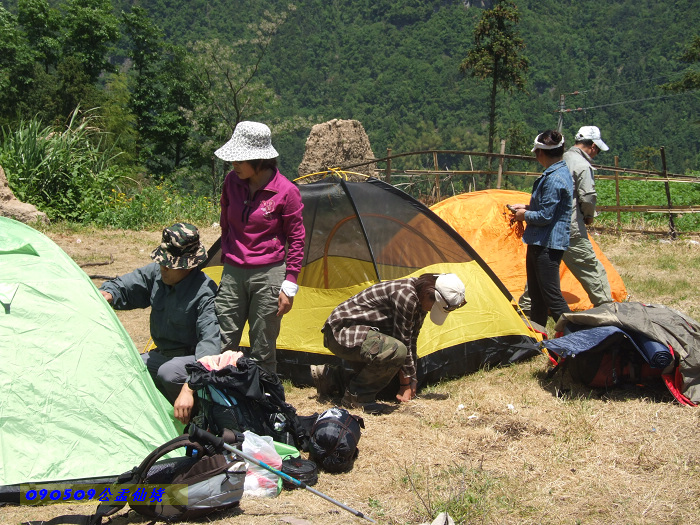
(168, 371)
(251, 294)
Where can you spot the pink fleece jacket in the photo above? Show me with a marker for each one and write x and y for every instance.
(255, 229)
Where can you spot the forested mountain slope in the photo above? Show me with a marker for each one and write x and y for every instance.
(394, 66)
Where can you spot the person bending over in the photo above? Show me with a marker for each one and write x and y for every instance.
(376, 332)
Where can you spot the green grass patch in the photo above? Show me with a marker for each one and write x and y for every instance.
(648, 193)
(468, 495)
(156, 206)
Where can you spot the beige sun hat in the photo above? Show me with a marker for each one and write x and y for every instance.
(250, 141)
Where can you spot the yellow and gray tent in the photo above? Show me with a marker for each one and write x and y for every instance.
(362, 233)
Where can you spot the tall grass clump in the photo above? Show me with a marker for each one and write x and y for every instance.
(65, 172)
(468, 495)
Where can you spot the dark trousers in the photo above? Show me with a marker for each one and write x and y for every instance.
(542, 265)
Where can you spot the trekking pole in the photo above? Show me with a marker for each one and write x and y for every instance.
(202, 436)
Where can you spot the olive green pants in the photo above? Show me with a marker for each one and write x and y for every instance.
(374, 363)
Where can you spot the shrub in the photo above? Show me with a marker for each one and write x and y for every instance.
(63, 172)
(152, 206)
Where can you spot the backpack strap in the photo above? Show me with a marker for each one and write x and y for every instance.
(133, 477)
(138, 474)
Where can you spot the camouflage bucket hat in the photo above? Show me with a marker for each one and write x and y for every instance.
(180, 247)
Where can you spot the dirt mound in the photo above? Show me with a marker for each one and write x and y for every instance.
(337, 143)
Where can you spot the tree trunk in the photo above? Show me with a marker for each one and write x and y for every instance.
(492, 120)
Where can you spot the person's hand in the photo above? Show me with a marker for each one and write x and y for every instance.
(407, 388)
(517, 207)
(284, 304)
(588, 221)
(107, 296)
(407, 391)
(183, 404)
(520, 214)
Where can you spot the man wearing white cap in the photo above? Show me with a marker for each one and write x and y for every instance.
(376, 332)
(580, 257)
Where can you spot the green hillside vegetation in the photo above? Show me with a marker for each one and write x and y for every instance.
(165, 82)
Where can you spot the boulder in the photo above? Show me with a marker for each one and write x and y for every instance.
(11, 207)
(337, 143)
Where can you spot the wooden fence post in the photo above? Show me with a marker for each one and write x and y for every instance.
(387, 170)
(500, 164)
(437, 176)
(671, 225)
(617, 193)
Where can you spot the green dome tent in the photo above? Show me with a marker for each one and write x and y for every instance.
(362, 233)
(77, 402)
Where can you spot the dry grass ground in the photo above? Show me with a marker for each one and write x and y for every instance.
(499, 446)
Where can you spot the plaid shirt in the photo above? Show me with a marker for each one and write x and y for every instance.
(391, 307)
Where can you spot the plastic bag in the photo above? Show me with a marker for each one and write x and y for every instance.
(258, 481)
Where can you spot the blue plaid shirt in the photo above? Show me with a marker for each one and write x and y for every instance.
(549, 215)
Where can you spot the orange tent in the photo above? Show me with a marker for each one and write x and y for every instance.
(481, 217)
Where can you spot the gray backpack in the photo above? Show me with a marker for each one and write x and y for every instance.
(203, 481)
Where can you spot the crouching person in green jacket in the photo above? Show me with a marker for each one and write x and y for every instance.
(183, 319)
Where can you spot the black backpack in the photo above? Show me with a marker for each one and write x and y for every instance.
(199, 483)
(334, 438)
(245, 397)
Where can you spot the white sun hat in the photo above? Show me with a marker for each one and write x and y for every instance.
(592, 133)
(250, 141)
(449, 295)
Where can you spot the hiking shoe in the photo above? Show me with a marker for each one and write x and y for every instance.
(324, 380)
(372, 407)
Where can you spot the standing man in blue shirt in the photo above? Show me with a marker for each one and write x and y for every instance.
(580, 258)
(183, 321)
(547, 231)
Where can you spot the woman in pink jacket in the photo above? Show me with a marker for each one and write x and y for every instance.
(262, 243)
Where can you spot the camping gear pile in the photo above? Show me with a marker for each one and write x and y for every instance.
(632, 342)
(244, 397)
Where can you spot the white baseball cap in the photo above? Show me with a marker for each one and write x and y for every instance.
(449, 295)
(591, 133)
(250, 141)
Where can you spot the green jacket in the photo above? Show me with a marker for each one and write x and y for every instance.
(579, 164)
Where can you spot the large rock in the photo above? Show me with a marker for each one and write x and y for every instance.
(11, 207)
(337, 143)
